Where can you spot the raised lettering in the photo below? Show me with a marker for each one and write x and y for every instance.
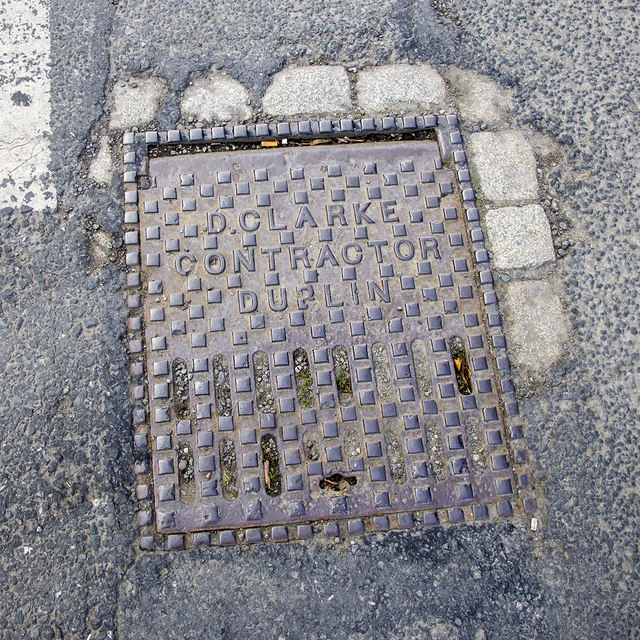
(388, 212)
(409, 250)
(328, 299)
(253, 226)
(240, 260)
(377, 244)
(359, 212)
(307, 294)
(383, 291)
(216, 222)
(354, 293)
(273, 226)
(297, 254)
(180, 259)
(326, 254)
(429, 244)
(305, 216)
(272, 256)
(335, 211)
(214, 263)
(247, 301)
(345, 253)
(277, 306)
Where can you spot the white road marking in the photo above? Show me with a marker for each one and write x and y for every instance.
(25, 108)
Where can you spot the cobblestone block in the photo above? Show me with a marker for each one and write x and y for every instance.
(505, 165)
(308, 90)
(216, 99)
(400, 88)
(136, 102)
(536, 326)
(519, 237)
(479, 99)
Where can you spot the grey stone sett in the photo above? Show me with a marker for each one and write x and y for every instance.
(519, 237)
(135, 101)
(318, 90)
(505, 166)
(480, 100)
(215, 99)
(400, 88)
(535, 325)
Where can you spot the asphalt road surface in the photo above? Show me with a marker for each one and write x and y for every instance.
(69, 561)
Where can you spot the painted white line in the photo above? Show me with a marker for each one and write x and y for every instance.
(25, 108)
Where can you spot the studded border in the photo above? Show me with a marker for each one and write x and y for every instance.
(450, 142)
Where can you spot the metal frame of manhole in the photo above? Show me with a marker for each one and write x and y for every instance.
(381, 417)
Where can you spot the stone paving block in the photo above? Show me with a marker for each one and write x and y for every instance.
(479, 99)
(519, 236)
(536, 326)
(400, 88)
(308, 90)
(216, 98)
(136, 102)
(505, 165)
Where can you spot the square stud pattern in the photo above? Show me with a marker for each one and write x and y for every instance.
(303, 331)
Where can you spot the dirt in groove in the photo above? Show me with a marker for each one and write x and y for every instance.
(180, 379)
(222, 385)
(342, 373)
(228, 469)
(262, 376)
(271, 465)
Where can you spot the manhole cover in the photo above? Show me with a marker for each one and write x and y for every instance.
(315, 340)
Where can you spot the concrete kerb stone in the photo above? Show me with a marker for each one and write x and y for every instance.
(505, 165)
(314, 90)
(135, 102)
(400, 89)
(217, 98)
(535, 325)
(519, 237)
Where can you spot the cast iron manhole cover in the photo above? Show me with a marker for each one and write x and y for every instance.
(316, 340)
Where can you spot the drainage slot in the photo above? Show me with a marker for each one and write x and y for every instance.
(461, 365)
(394, 452)
(384, 385)
(421, 366)
(475, 444)
(262, 376)
(180, 379)
(304, 384)
(382, 372)
(222, 385)
(343, 375)
(271, 465)
(185, 473)
(338, 482)
(436, 451)
(228, 469)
